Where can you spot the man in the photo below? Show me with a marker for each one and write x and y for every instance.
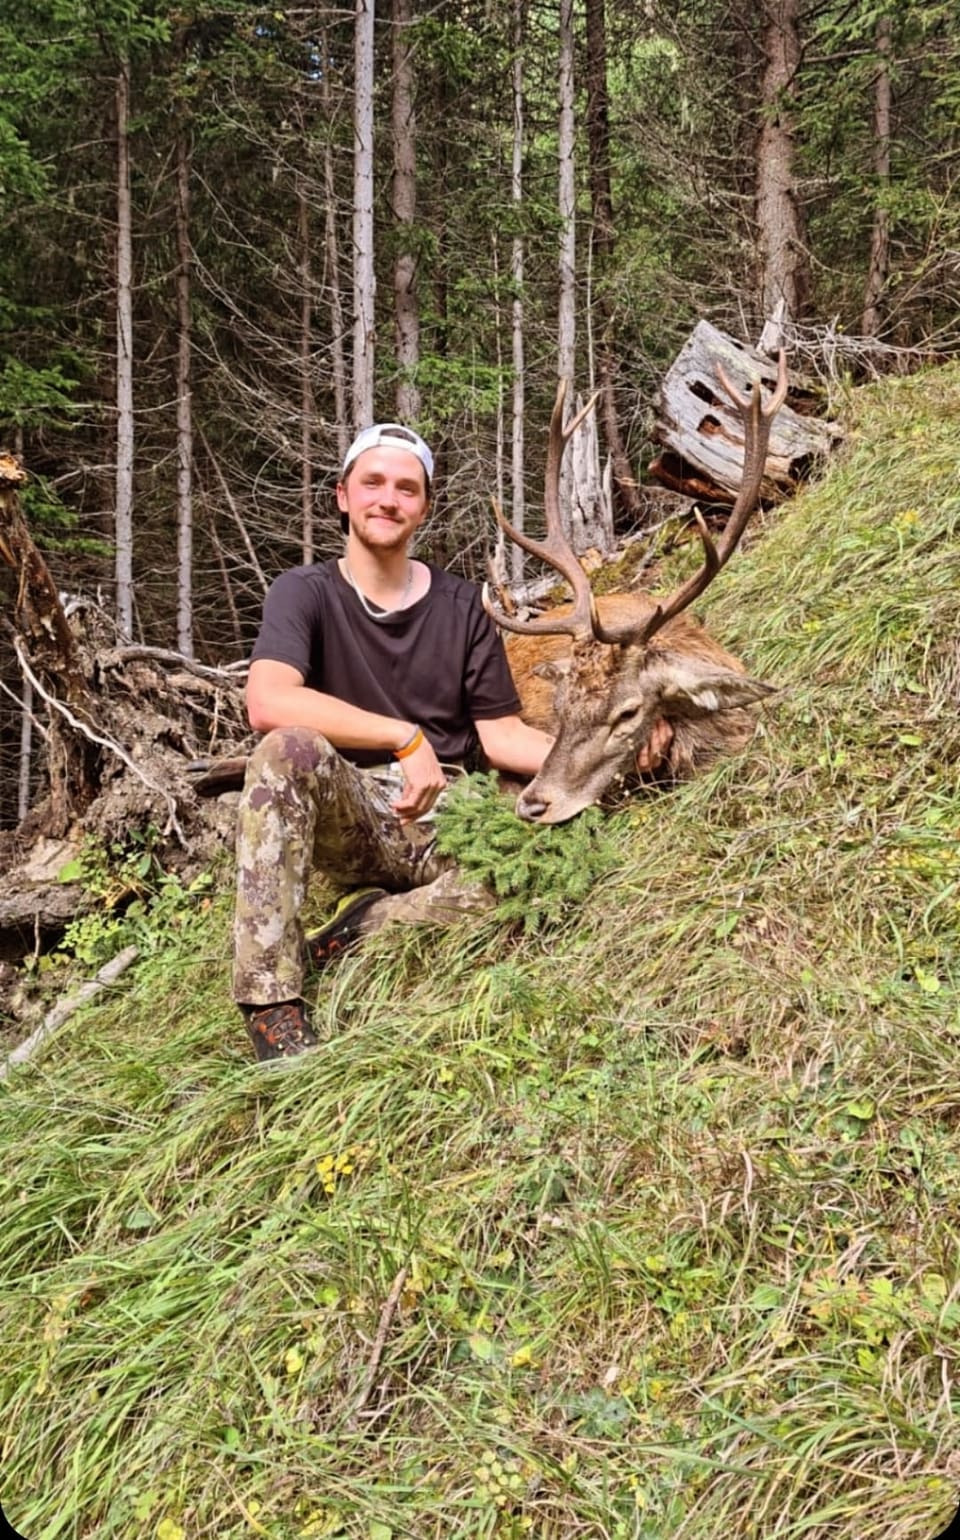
(370, 659)
(374, 678)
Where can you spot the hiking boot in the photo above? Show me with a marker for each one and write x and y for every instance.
(279, 1031)
(344, 930)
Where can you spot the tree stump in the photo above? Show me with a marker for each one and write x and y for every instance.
(701, 433)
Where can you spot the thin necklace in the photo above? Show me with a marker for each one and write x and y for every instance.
(378, 614)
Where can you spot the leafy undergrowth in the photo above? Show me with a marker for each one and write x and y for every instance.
(669, 1189)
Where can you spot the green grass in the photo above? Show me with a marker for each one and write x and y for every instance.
(674, 1180)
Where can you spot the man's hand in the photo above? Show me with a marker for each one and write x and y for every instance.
(655, 750)
(424, 783)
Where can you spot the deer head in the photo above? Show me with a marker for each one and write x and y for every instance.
(630, 663)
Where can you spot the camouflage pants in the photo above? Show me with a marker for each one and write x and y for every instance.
(303, 807)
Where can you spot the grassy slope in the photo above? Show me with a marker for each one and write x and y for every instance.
(675, 1186)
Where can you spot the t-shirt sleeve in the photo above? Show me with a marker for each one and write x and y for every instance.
(289, 631)
(489, 689)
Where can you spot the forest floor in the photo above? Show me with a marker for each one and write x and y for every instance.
(640, 1222)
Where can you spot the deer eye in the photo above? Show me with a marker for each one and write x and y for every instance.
(626, 716)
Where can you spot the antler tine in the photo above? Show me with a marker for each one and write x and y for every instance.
(678, 600)
(558, 625)
(544, 625)
(556, 549)
(779, 390)
(757, 422)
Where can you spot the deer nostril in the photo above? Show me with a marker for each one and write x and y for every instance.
(531, 808)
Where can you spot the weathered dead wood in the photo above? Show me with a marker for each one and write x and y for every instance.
(380, 1341)
(124, 724)
(587, 501)
(64, 1009)
(37, 608)
(41, 627)
(701, 434)
(211, 777)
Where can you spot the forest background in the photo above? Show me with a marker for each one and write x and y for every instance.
(233, 233)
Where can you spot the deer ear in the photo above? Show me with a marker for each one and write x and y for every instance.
(692, 689)
(553, 670)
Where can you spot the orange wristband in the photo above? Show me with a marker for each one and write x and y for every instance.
(411, 745)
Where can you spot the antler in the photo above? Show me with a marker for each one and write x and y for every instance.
(557, 552)
(757, 421)
(556, 549)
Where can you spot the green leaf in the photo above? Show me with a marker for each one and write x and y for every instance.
(71, 872)
(934, 1288)
(766, 1296)
(928, 982)
(145, 1504)
(139, 1218)
(863, 1109)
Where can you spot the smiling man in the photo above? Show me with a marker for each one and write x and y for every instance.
(375, 679)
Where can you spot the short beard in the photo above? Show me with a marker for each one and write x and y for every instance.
(387, 544)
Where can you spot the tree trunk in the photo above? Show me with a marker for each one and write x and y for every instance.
(498, 561)
(307, 404)
(880, 238)
(566, 328)
(25, 763)
(784, 268)
(26, 751)
(601, 201)
(228, 598)
(123, 515)
(235, 512)
(332, 256)
(567, 293)
(518, 497)
(404, 205)
(364, 281)
(184, 407)
(581, 502)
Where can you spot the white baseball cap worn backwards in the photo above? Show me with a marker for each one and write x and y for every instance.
(390, 435)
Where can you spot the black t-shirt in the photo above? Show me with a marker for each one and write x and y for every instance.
(439, 663)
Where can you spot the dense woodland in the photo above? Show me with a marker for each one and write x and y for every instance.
(234, 233)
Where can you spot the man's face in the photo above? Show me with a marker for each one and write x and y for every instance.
(384, 497)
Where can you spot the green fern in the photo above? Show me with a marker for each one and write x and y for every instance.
(537, 872)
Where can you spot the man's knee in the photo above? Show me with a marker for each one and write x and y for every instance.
(288, 756)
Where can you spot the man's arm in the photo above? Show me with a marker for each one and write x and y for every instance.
(278, 697)
(509, 744)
